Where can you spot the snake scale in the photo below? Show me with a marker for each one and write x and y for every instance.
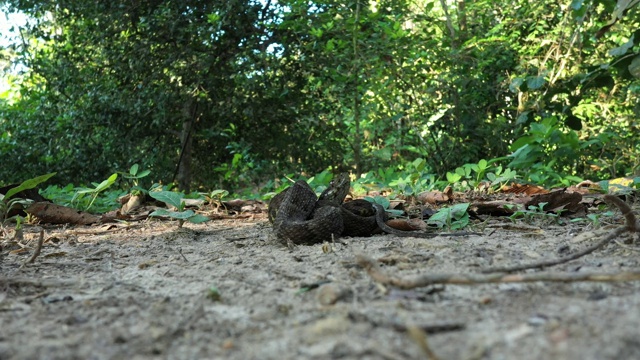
(299, 216)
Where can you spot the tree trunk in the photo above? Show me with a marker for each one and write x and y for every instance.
(184, 163)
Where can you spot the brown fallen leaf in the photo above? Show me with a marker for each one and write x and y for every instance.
(50, 213)
(407, 224)
(559, 200)
(433, 197)
(515, 188)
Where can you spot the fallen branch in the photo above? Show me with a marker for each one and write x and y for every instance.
(631, 225)
(23, 281)
(420, 338)
(551, 262)
(377, 274)
(36, 253)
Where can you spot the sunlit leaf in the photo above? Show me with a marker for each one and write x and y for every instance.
(27, 184)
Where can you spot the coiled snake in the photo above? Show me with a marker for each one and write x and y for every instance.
(300, 217)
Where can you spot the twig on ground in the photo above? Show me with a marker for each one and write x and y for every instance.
(631, 225)
(625, 246)
(184, 257)
(420, 338)
(36, 253)
(561, 260)
(4, 281)
(373, 269)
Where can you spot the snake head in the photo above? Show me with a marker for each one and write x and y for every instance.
(337, 189)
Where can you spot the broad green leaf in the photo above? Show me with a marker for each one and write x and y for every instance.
(516, 84)
(458, 210)
(180, 215)
(576, 4)
(535, 82)
(197, 219)
(27, 184)
(219, 193)
(143, 173)
(453, 178)
(172, 198)
(134, 169)
(105, 184)
(419, 164)
(621, 50)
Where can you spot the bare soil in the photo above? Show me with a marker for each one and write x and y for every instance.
(148, 291)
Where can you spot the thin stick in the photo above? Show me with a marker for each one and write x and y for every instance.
(184, 257)
(552, 262)
(631, 225)
(4, 281)
(420, 337)
(377, 274)
(36, 253)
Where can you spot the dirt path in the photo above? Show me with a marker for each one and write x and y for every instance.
(145, 293)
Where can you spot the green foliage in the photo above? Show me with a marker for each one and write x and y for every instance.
(548, 155)
(94, 191)
(412, 180)
(26, 185)
(594, 219)
(261, 89)
(134, 176)
(452, 218)
(8, 203)
(213, 294)
(215, 196)
(470, 176)
(175, 199)
(384, 202)
(533, 213)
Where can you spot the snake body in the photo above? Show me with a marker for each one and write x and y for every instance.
(300, 217)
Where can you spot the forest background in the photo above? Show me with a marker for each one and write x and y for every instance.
(237, 94)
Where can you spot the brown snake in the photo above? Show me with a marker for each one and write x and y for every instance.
(300, 217)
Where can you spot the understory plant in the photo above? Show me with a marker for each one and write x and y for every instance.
(176, 200)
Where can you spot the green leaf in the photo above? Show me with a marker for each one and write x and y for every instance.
(459, 210)
(219, 193)
(180, 215)
(27, 184)
(576, 4)
(453, 178)
(382, 200)
(482, 164)
(621, 50)
(169, 197)
(197, 219)
(419, 164)
(516, 84)
(160, 212)
(105, 184)
(143, 173)
(535, 82)
(134, 169)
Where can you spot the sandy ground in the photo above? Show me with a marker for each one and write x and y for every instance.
(149, 292)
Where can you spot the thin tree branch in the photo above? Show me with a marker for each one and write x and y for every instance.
(36, 253)
(631, 225)
(377, 274)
